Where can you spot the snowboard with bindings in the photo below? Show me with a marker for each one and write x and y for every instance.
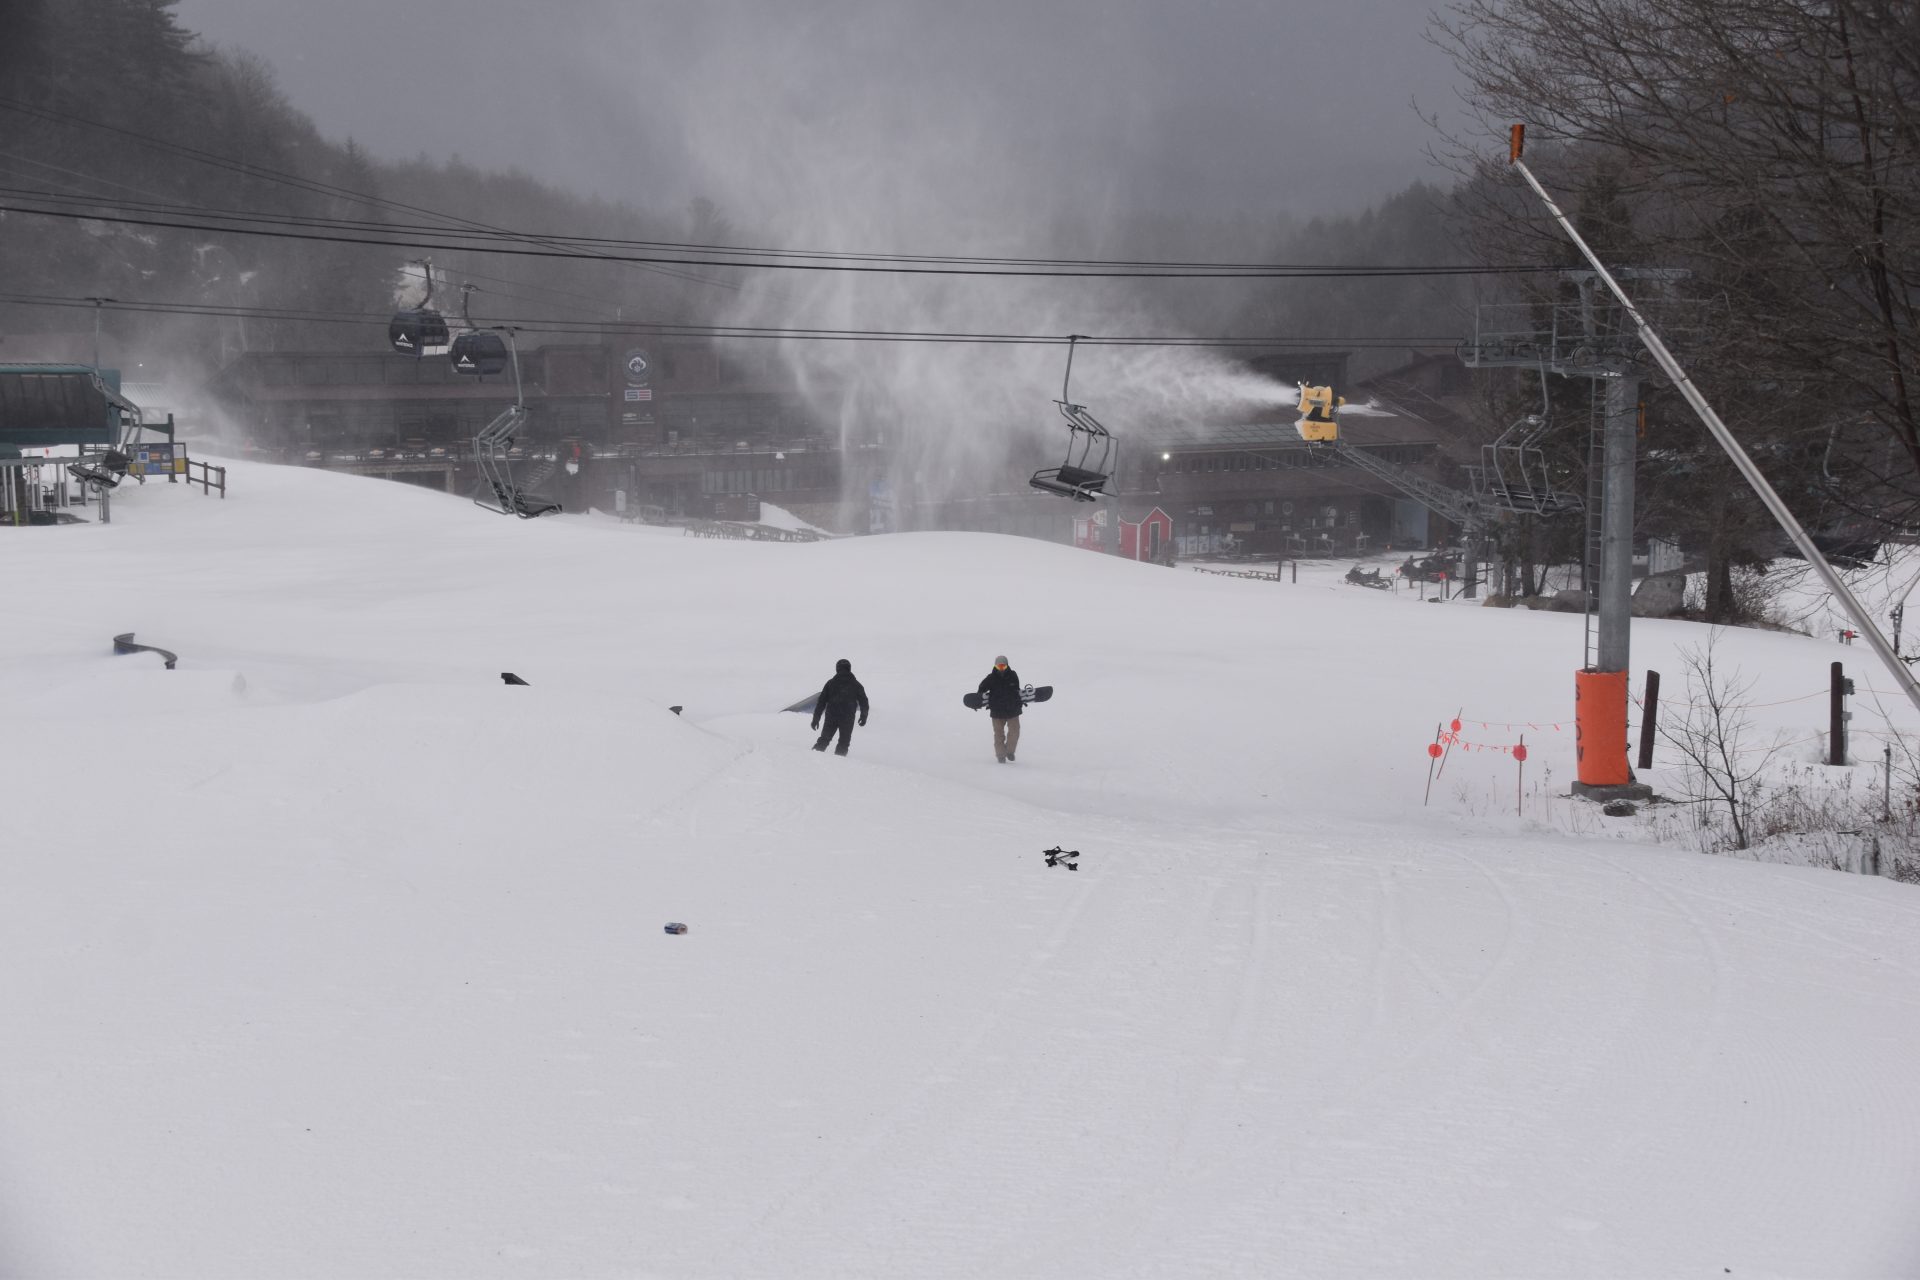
(1028, 695)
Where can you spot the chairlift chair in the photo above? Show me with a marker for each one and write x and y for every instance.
(1082, 475)
(414, 329)
(1514, 474)
(102, 470)
(493, 442)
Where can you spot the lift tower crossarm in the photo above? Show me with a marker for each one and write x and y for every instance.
(1724, 437)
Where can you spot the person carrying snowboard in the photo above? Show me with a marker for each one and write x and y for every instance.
(1001, 689)
(840, 699)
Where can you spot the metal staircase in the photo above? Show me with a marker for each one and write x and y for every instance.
(1447, 502)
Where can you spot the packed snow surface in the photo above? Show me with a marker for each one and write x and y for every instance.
(329, 954)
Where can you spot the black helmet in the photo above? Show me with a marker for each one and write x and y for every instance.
(843, 666)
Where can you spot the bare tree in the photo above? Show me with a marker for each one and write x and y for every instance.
(1772, 144)
(1710, 730)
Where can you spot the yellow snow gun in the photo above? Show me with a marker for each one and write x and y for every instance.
(1318, 409)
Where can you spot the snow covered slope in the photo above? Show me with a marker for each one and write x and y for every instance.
(329, 954)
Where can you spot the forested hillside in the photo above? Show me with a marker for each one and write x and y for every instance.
(113, 101)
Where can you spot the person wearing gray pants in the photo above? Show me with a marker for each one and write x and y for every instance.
(1001, 689)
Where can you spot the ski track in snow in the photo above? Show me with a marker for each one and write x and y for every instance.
(341, 958)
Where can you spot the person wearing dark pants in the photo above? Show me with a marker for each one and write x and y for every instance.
(841, 699)
(1001, 689)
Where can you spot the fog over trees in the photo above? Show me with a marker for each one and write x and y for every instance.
(1767, 148)
(129, 66)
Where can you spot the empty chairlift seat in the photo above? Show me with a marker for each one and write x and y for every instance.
(102, 470)
(1515, 474)
(1071, 482)
(493, 445)
(1083, 474)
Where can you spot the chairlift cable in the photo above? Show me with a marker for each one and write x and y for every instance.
(671, 329)
(248, 169)
(474, 228)
(584, 245)
(413, 242)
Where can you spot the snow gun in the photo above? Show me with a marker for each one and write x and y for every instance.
(1317, 423)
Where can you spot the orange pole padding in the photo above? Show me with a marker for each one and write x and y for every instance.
(1600, 727)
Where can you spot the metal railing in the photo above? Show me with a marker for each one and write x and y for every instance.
(745, 532)
(210, 477)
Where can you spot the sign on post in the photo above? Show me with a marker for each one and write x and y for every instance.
(158, 460)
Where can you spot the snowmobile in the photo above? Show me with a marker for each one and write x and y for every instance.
(1368, 578)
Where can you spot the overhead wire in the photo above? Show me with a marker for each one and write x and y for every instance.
(311, 230)
(464, 272)
(744, 255)
(491, 239)
(312, 186)
(675, 329)
(1152, 265)
(444, 221)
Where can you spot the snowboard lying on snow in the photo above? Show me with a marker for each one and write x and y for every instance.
(1028, 694)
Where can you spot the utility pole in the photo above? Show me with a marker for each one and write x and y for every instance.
(1615, 588)
(1757, 481)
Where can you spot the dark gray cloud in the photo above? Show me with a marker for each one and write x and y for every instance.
(1222, 108)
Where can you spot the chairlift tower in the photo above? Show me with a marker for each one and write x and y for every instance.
(1591, 337)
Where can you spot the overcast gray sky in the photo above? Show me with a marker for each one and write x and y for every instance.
(1216, 107)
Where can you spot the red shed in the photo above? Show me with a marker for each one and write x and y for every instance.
(1144, 539)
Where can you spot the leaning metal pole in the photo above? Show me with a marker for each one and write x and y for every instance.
(1671, 367)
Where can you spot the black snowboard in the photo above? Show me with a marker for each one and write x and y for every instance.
(1029, 694)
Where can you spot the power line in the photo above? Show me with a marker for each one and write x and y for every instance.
(309, 185)
(582, 327)
(791, 259)
(416, 242)
(811, 255)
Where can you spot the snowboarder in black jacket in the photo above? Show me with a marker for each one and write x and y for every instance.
(840, 698)
(1001, 689)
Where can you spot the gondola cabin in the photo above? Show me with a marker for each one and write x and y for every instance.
(479, 353)
(412, 332)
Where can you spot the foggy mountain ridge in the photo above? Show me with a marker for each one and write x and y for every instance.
(865, 168)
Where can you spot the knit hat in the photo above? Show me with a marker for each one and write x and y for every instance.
(843, 666)
(999, 659)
